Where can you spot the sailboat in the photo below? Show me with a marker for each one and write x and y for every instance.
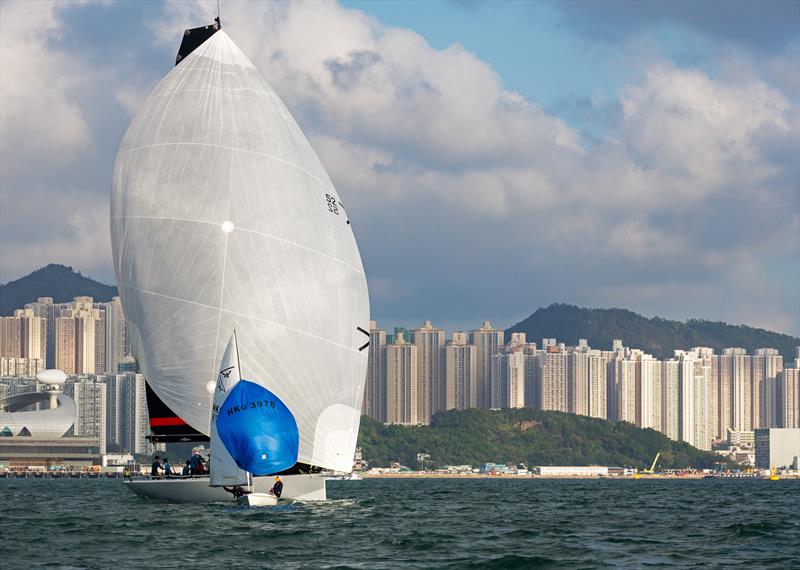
(223, 218)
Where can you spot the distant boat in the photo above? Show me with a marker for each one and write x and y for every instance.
(222, 216)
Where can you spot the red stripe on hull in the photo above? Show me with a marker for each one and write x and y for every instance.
(173, 421)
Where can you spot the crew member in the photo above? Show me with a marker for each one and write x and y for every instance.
(277, 487)
(167, 466)
(155, 467)
(196, 464)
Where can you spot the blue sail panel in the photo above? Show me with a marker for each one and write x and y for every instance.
(258, 430)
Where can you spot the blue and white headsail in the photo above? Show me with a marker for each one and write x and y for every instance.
(252, 429)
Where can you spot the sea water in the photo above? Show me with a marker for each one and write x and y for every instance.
(414, 523)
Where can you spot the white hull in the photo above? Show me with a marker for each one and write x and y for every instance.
(257, 500)
(197, 490)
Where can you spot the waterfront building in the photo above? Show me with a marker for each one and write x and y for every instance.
(375, 387)
(597, 383)
(532, 384)
(670, 398)
(89, 396)
(401, 382)
(695, 399)
(656, 404)
(133, 419)
(64, 344)
(622, 378)
(127, 425)
(724, 394)
(741, 388)
(767, 365)
(23, 335)
(45, 309)
(788, 397)
(570, 471)
(430, 343)
(777, 447)
(508, 379)
(33, 424)
(553, 379)
(578, 380)
(80, 337)
(116, 335)
(644, 390)
(36, 408)
(701, 411)
(461, 374)
(487, 341)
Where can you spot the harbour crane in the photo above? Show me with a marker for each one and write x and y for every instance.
(648, 472)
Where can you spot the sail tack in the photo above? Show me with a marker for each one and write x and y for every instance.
(222, 215)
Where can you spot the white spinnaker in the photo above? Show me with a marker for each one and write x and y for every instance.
(224, 470)
(222, 215)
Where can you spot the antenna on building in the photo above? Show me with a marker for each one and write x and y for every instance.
(217, 19)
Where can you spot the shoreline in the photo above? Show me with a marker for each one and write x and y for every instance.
(417, 475)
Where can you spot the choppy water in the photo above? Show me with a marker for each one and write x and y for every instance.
(432, 523)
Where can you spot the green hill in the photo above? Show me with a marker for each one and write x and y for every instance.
(60, 282)
(529, 436)
(657, 336)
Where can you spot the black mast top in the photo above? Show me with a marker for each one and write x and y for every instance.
(195, 37)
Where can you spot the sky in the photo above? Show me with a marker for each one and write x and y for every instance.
(494, 157)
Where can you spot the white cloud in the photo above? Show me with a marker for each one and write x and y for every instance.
(39, 118)
(683, 123)
(474, 181)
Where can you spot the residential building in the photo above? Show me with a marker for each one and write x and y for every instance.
(401, 382)
(375, 389)
(487, 341)
(430, 343)
(89, 396)
(461, 373)
(553, 379)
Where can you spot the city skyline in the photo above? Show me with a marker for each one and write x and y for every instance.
(695, 395)
(565, 187)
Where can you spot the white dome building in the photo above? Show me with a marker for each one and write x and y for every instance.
(49, 423)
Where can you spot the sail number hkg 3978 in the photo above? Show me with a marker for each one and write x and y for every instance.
(250, 405)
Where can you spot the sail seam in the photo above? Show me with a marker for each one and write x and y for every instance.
(238, 314)
(238, 229)
(233, 149)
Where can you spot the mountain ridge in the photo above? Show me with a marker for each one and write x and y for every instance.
(567, 323)
(61, 282)
(657, 335)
